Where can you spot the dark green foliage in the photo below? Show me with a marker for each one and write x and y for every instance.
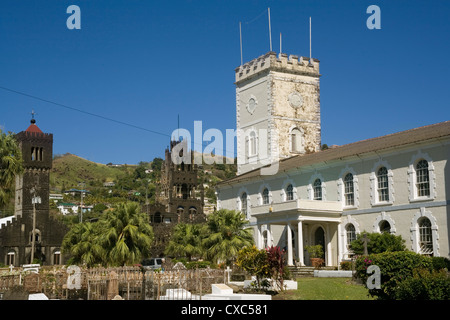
(395, 267)
(425, 285)
(378, 243)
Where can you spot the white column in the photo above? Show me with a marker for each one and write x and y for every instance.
(328, 238)
(289, 244)
(340, 239)
(269, 235)
(300, 243)
(258, 236)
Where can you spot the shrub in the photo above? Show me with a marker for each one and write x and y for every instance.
(425, 285)
(255, 262)
(315, 251)
(395, 267)
(378, 243)
(440, 263)
(346, 265)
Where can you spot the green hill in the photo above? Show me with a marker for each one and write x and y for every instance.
(70, 171)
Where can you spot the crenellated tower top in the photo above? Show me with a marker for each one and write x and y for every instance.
(283, 63)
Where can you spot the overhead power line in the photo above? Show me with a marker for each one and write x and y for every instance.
(98, 115)
(83, 111)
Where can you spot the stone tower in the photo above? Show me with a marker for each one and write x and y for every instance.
(37, 153)
(180, 189)
(277, 109)
(16, 236)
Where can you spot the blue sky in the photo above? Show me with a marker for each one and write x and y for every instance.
(143, 63)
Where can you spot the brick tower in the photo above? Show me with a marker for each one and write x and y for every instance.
(32, 206)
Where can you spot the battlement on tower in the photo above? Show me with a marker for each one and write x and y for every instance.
(283, 63)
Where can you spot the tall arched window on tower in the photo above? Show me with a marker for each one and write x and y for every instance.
(296, 141)
(252, 144)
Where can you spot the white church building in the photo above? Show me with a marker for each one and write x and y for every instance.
(294, 194)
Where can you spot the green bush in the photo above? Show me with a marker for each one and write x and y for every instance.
(346, 265)
(395, 267)
(440, 263)
(425, 285)
(378, 243)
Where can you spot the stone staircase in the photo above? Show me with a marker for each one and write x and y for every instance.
(305, 271)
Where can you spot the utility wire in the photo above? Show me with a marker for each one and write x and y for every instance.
(82, 111)
(96, 115)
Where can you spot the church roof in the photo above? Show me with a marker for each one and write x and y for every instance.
(389, 141)
(33, 127)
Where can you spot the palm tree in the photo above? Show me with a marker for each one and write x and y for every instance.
(227, 235)
(10, 165)
(81, 242)
(127, 234)
(186, 240)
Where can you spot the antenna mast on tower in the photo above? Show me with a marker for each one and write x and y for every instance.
(310, 54)
(270, 31)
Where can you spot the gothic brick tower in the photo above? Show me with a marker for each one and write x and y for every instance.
(180, 189)
(179, 198)
(37, 153)
(32, 197)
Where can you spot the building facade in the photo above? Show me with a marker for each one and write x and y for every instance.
(398, 183)
(32, 214)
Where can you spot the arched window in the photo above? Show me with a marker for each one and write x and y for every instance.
(192, 210)
(317, 188)
(11, 258)
(265, 196)
(56, 256)
(289, 192)
(383, 185)
(385, 227)
(180, 210)
(425, 237)
(296, 140)
(351, 234)
(252, 144)
(422, 179)
(244, 203)
(37, 236)
(349, 191)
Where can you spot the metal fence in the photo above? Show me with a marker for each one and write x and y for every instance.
(128, 283)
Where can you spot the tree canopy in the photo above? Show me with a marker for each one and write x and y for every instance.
(122, 236)
(10, 166)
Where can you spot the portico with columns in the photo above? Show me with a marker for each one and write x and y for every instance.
(299, 223)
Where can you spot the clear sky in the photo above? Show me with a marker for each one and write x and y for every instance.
(134, 66)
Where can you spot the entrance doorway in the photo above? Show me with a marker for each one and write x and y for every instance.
(319, 238)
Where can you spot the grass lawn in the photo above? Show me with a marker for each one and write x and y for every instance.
(325, 289)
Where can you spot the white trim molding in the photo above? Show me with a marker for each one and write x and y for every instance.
(383, 216)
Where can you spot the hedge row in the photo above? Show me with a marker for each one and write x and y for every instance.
(407, 275)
